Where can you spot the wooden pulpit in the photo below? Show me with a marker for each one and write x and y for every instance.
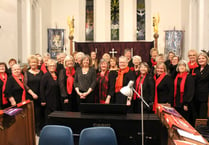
(18, 129)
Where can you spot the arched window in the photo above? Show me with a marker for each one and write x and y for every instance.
(89, 25)
(140, 32)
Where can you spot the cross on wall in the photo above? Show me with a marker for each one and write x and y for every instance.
(113, 52)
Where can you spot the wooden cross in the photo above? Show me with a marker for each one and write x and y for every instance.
(113, 52)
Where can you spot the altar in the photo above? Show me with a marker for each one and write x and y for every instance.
(141, 48)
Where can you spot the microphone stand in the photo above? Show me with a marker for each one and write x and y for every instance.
(128, 91)
(142, 111)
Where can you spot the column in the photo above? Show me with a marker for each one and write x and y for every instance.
(201, 26)
(127, 20)
(102, 20)
(26, 30)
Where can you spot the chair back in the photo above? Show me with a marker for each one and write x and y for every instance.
(56, 135)
(98, 136)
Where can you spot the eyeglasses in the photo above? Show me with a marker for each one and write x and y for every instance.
(191, 55)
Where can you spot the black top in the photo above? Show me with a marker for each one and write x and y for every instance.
(1, 85)
(85, 81)
(32, 82)
(148, 88)
(165, 90)
(112, 78)
(172, 71)
(49, 91)
(202, 84)
(168, 64)
(59, 67)
(130, 63)
(188, 91)
(13, 89)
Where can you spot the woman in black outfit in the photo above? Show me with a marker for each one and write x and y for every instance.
(3, 80)
(32, 79)
(136, 61)
(163, 86)
(102, 86)
(202, 86)
(148, 89)
(172, 68)
(183, 90)
(49, 89)
(15, 90)
(121, 79)
(66, 79)
(85, 82)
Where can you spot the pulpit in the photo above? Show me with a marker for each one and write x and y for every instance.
(141, 48)
(18, 128)
(179, 130)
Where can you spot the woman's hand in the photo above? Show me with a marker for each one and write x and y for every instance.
(66, 101)
(107, 101)
(35, 97)
(12, 101)
(43, 103)
(185, 108)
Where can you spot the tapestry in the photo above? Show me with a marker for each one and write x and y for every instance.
(174, 41)
(55, 41)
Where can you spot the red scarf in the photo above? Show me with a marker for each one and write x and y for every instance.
(153, 62)
(138, 86)
(131, 68)
(54, 76)
(119, 80)
(182, 85)
(20, 83)
(70, 72)
(157, 82)
(43, 68)
(193, 66)
(4, 99)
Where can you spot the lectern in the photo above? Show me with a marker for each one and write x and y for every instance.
(18, 129)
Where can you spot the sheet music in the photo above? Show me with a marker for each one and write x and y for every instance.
(186, 134)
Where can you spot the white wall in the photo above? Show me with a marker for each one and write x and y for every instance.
(8, 31)
(170, 17)
(60, 10)
(45, 20)
(181, 14)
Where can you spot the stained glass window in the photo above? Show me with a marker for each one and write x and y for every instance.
(114, 19)
(140, 33)
(89, 25)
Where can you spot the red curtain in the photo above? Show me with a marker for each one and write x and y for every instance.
(139, 48)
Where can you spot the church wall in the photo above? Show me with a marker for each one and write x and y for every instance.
(8, 30)
(60, 10)
(170, 17)
(186, 26)
(191, 16)
(46, 23)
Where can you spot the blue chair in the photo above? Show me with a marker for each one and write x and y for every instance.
(56, 135)
(98, 136)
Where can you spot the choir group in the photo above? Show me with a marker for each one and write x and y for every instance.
(64, 83)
